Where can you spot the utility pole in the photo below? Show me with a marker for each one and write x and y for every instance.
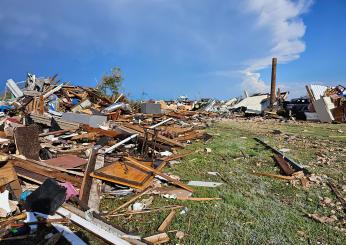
(273, 84)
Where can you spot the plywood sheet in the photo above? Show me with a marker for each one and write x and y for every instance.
(7, 174)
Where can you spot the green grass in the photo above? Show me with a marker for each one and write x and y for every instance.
(253, 209)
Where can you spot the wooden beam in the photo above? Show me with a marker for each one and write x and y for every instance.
(284, 165)
(32, 167)
(87, 179)
(276, 176)
(41, 105)
(129, 202)
(43, 164)
(95, 188)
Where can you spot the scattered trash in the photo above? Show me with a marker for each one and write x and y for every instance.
(207, 150)
(76, 145)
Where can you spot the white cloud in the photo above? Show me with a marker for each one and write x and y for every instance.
(214, 45)
(283, 20)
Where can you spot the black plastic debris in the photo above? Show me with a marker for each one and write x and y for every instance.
(47, 198)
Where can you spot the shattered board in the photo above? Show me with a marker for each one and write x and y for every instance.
(27, 141)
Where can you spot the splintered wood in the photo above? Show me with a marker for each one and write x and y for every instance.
(157, 239)
(168, 220)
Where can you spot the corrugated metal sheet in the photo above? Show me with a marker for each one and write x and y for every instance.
(47, 120)
(318, 90)
(66, 161)
(253, 104)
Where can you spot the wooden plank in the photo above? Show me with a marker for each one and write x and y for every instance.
(284, 165)
(10, 220)
(95, 189)
(168, 220)
(129, 202)
(191, 136)
(337, 193)
(88, 136)
(168, 178)
(172, 207)
(160, 138)
(198, 198)
(157, 239)
(87, 179)
(7, 174)
(41, 105)
(16, 188)
(101, 132)
(276, 176)
(43, 164)
(37, 169)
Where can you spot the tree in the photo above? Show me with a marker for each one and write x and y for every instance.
(110, 83)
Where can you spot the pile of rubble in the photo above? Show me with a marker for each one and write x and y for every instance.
(62, 147)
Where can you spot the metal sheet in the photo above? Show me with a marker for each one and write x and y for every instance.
(66, 161)
(253, 104)
(317, 90)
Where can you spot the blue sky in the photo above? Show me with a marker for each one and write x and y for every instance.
(168, 48)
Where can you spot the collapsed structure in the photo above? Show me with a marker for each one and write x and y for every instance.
(72, 144)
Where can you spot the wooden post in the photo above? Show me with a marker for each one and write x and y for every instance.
(95, 188)
(273, 84)
(84, 192)
(41, 105)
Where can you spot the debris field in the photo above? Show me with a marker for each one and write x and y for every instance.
(74, 160)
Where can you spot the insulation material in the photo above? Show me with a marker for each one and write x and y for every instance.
(323, 107)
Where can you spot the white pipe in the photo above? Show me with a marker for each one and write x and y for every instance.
(110, 149)
(160, 123)
(53, 91)
(121, 95)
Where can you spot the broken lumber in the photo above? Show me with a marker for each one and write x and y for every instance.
(45, 172)
(276, 176)
(284, 165)
(168, 220)
(157, 239)
(129, 202)
(87, 179)
(337, 194)
(198, 198)
(295, 165)
(146, 211)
